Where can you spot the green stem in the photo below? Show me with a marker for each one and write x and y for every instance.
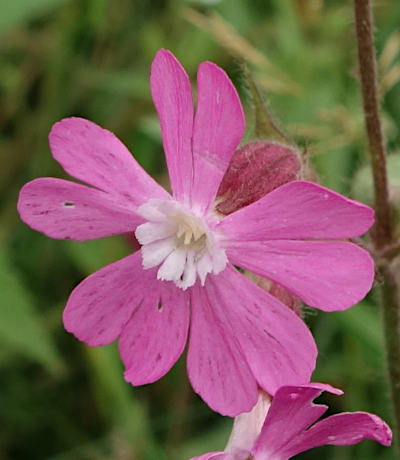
(382, 234)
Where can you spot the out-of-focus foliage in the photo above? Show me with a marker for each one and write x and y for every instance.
(363, 188)
(61, 400)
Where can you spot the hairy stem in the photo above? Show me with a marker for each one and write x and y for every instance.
(382, 234)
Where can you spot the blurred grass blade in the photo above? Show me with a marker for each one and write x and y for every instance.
(362, 322)
(225, 35)
(116, 400)
(208, 441)
(16, 12)
(127, 83)
(20, 327)
(390, 51)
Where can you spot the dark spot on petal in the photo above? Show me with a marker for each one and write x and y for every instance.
(271, 336)
(159, 306)
(68, 204)
(158, 357)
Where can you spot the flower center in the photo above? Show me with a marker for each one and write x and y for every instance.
(189, 230)
(180, 242)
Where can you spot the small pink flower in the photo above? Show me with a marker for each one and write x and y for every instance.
(241, 338)
(283, 428)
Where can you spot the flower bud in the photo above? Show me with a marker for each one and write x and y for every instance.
(256, 169)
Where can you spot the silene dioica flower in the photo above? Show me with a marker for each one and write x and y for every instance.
(240, 337)
(285, 427)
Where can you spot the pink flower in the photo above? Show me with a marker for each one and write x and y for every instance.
(289, 427)
(241, 338)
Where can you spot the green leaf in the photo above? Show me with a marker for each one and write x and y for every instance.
(21, 329)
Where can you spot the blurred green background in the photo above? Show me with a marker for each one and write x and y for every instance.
(59, 399)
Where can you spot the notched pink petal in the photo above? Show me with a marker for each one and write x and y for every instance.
(155, 336)
(341, 430)
(298, 210)
(101, 304)
(172, 96)
(217, 368)
(286, 431)
(218, 127)
(325, 387)
(65, 210)
(277, 345)
(291, 412)
(329, 275)
(96, 156)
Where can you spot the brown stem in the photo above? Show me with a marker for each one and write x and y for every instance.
(382, 234)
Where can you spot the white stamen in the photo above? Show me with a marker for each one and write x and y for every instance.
(154, 231)
(173, 266)
(180, 241)
(204, 266)
(189, 274)
(154, 253)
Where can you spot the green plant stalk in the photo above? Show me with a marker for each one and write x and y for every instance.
(382, 233)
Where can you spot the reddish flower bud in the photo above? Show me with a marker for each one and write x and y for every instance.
(256, 169)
